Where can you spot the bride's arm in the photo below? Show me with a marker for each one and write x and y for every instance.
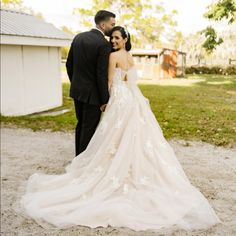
(111, 69)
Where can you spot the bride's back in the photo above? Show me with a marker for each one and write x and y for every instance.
(123, 64)
(124, 60)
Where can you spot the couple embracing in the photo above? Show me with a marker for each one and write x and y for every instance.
(125, 173)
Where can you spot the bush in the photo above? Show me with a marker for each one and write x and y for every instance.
(230, 70)
(64, 52)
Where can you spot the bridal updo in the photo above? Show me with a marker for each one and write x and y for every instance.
(125, 34)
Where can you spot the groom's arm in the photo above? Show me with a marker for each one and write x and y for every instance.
(69, 62)
(102, 72)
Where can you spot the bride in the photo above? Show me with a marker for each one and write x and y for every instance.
(128, 176)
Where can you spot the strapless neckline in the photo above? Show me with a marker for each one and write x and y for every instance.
(125, 70)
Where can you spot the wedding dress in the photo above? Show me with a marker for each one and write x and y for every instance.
(128, 176)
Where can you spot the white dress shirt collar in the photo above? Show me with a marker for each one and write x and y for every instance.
(99, 30)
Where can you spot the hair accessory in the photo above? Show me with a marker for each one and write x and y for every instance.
(126, 32)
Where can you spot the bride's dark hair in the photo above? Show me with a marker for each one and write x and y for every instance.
(125, 34)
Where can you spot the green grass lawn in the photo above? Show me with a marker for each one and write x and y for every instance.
(203, 111)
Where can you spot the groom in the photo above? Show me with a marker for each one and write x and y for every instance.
(87, 69)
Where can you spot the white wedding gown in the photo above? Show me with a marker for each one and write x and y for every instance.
(128, 176)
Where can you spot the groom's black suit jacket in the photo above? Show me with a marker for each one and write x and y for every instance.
(87, 67)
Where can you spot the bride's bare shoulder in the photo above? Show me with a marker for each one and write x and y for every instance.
(115, 54)
(119, 54)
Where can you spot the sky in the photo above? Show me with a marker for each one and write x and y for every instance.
(190, 13)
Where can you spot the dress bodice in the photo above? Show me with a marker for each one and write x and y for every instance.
(119, 76)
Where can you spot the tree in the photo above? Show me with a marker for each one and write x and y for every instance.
(177, 40)
(223, 9)
(211, 39)
(65, 50)
(192, 44)
(67, 30)
(11, 3)
(145, 21)
(18, 5)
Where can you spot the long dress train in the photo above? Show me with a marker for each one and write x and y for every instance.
(128, 176)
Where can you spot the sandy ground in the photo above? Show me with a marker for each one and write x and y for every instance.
(209, 168)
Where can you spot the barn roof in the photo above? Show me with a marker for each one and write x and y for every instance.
(15, 23)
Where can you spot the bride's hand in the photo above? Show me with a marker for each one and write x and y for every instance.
(103, 107)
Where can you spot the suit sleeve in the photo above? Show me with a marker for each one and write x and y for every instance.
(69, 62)
(102, 72)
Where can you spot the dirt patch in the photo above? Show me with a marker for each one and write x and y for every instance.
(209, 168)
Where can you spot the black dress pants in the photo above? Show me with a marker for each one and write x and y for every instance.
(88, 117)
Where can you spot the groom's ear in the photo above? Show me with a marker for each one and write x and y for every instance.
(103, 24)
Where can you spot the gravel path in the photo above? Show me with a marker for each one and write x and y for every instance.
(209, 168)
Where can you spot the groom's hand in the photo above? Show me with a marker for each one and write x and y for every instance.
(103, 107)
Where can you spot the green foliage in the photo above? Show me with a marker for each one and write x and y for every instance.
(145, 20)
(223, 9)
(64, 52)
(66, 29)
(211, 39)
(19, 6)
(230, 70)
(11, 2)
(178, 39)
(192, 45)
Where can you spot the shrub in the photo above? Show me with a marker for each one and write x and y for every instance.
(230, 70)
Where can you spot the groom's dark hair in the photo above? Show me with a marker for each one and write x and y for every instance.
(103, 15)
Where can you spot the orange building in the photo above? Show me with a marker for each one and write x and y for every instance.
(163, 63)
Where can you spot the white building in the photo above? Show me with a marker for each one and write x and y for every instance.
(30, 64)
